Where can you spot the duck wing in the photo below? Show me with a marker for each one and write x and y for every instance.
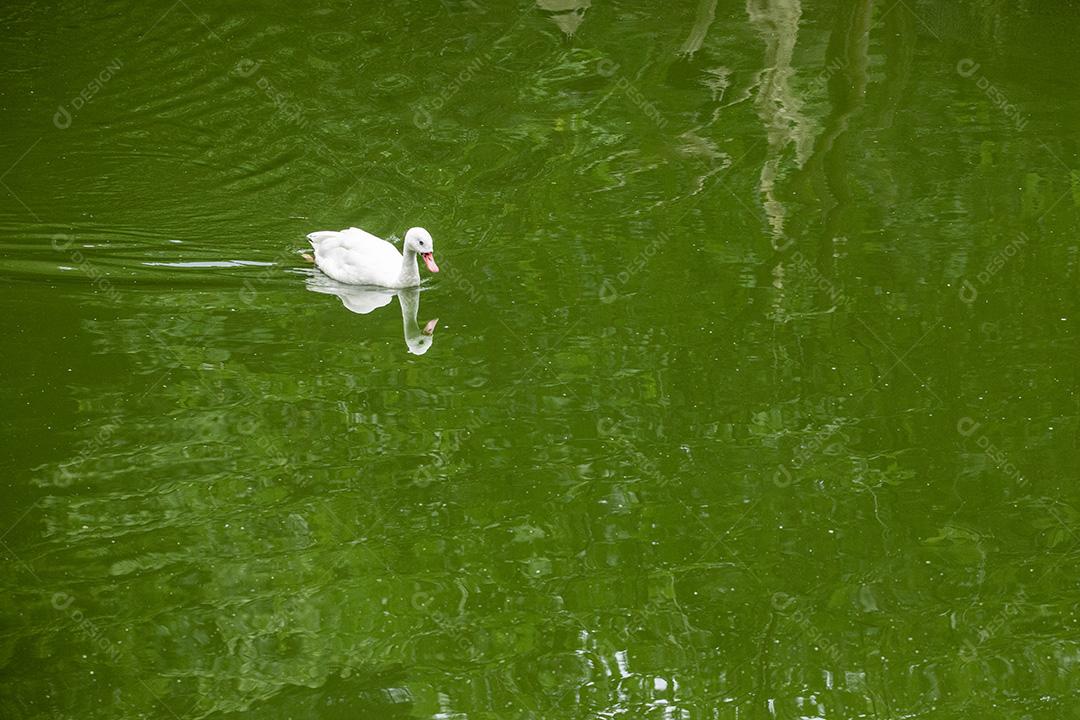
(355, 256)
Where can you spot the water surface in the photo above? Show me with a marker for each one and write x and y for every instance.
(752, 391)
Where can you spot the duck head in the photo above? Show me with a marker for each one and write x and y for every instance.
(419, 241)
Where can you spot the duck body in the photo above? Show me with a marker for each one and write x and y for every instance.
(356, 257)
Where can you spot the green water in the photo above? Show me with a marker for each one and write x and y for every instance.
(752, 392)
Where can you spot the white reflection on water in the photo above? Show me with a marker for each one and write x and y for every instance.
(362, 299)
(211, 264)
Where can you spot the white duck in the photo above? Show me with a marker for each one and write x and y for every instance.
(356, 257)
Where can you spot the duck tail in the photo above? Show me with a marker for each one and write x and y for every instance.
(317, 237)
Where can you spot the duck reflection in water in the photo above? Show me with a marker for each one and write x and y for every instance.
(363, 300)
